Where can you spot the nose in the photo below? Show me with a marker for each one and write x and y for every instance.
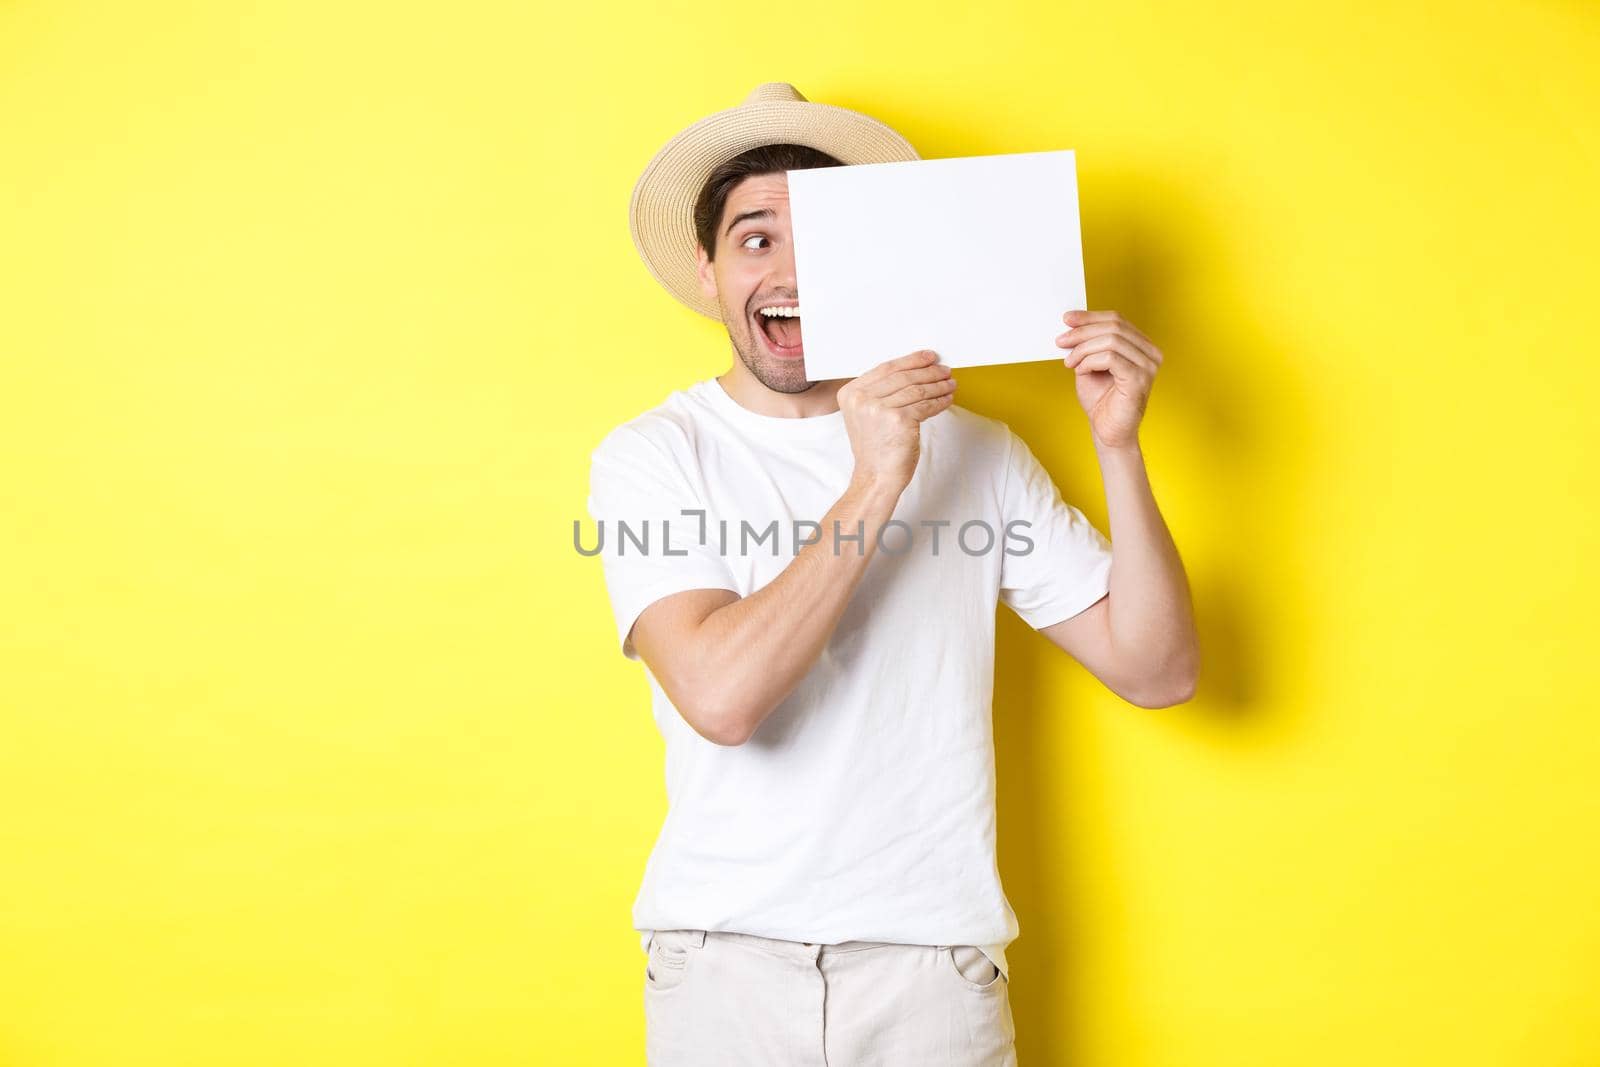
(783, 269)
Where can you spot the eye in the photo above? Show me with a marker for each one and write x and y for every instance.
(746, 242)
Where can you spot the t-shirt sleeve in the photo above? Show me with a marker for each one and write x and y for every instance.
(1068, 566)
(649, 549)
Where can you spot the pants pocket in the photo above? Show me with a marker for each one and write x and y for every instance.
(672, 954)
(973, 968)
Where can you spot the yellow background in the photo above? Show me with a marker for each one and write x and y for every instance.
(316, 747)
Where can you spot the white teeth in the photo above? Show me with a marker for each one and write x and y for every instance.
(780, 313)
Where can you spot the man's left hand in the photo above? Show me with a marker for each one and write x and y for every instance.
(1115, 366)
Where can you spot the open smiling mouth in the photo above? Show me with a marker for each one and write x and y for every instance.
(779, 326)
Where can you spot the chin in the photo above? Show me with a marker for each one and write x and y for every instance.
(786, 376)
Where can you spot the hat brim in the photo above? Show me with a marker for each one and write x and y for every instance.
(661, 213)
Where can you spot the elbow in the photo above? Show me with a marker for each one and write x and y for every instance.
(1155, 699)
(1169, 689)
(1183, 692)
(700, 694)
(717, 723)
(726, 730)
(721, 703)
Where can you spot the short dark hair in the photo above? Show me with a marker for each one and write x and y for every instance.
(765, 159)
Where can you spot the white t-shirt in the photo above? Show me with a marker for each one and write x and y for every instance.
(862, 808)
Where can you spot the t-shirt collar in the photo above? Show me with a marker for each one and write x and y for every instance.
(808, 428)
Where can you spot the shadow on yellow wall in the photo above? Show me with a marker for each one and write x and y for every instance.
(315, 746)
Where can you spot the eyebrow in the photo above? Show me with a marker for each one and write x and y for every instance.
(765, 212)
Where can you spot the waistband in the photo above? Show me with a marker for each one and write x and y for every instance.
(793, 949)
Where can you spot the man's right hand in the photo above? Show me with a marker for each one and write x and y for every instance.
(883, 413)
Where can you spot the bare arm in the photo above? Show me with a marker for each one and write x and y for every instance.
(725, 661)
(1140, 640)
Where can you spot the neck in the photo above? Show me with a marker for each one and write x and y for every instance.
(748, 392)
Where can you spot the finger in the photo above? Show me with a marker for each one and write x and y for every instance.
(1084, 318)
(1123, 369)
(1111, 343)
(918, 391)
(923, 409)
(1096, 328)
(1078, 334)
(920, 358)
(893, 383)
(1080, 316)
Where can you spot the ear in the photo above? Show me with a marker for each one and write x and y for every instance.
(708, 278)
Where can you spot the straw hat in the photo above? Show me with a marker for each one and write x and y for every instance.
(661, 215)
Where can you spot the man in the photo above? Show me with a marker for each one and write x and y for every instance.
(810, 570)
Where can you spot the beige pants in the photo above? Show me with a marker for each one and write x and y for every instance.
(716, 999)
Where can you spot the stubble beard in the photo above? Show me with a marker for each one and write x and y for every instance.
(779, 375)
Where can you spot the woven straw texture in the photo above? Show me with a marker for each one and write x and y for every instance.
(661, 214)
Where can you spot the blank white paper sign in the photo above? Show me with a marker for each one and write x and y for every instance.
(974, 257)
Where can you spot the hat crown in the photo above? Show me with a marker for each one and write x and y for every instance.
(770, 91)
(661, 209)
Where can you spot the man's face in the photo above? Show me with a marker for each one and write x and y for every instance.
(754, 269)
